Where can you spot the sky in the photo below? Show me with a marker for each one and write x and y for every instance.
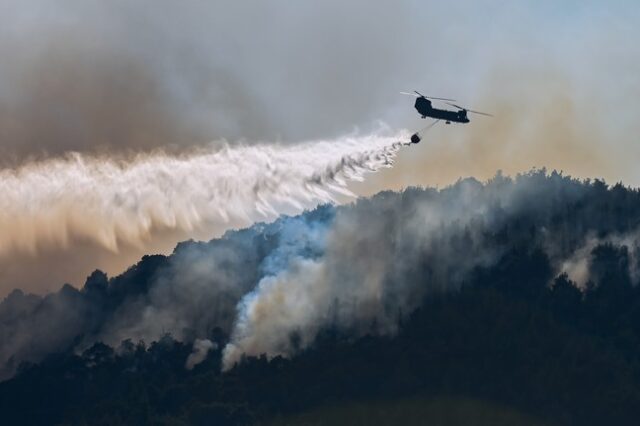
(119, 78)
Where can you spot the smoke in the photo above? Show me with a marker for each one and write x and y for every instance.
(77, 96)
(111, 202)
(290, 302)
(577, 265)
(359, 268)
(93, 77)
(383, 256)
(200, 350)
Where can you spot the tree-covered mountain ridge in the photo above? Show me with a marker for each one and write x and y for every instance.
(519, 292)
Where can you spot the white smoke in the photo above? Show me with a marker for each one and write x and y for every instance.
(111, 202)
(577, 265)
(292, 301)
(201, 348)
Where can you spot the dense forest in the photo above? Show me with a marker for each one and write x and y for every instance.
(512, 301)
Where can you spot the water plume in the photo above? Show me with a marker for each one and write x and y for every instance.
(111, 201)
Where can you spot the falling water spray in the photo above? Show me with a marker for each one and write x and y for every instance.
(113, 201)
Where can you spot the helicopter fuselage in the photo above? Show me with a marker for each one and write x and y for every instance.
(423, 106)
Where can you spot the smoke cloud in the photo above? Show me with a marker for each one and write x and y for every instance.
(360, 268)
(102, 78)
(382, 256)
(200, 350)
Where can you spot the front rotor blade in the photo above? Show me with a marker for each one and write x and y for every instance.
(420, 95)
(481, 113)
(440, 99)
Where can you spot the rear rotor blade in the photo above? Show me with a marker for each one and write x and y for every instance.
(409, 94)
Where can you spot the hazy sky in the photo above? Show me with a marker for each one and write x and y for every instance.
(140, 74)
(113, 77)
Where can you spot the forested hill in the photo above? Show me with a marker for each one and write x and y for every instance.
(513, 301)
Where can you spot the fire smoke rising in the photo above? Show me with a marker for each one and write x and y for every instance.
(112, 202)
(357, 269)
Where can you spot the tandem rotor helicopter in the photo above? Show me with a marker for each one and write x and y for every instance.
(423, 106)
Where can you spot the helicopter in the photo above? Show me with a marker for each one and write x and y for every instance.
(423, 106)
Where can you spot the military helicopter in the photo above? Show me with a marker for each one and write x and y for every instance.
(423, 106)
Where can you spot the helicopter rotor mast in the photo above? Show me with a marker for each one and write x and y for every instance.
(469, 110)
(417, 94)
